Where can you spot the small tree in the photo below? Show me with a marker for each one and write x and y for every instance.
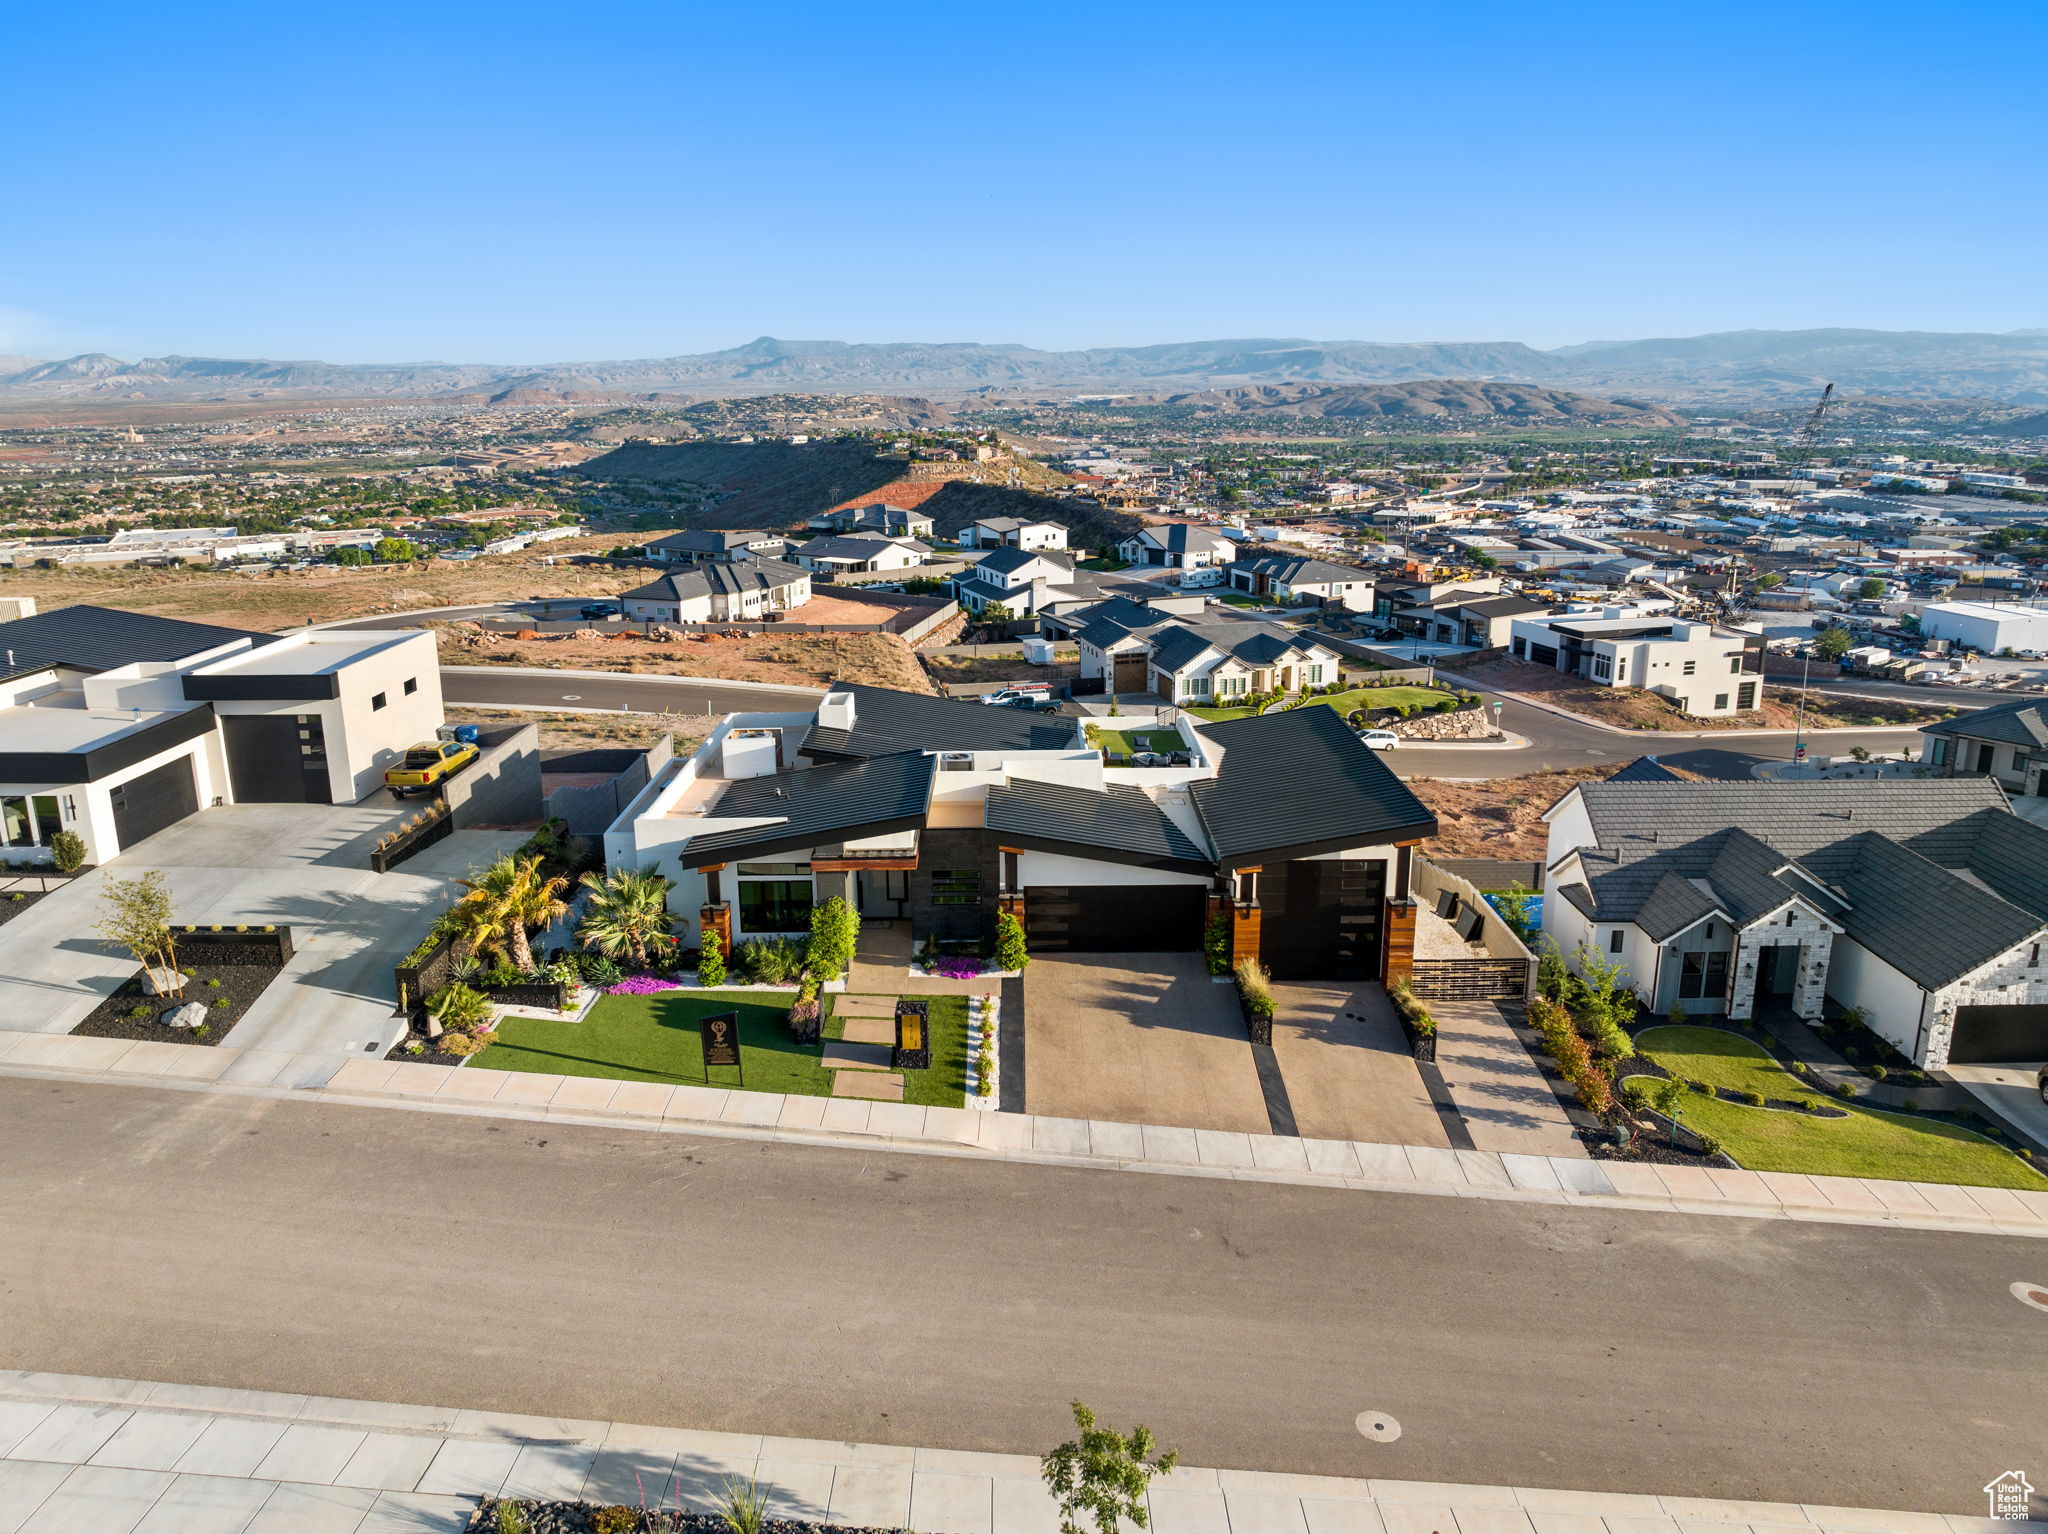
(137, 916)
(1102, 1475)
(1871, 589)
(1010, 954)
(1513, 905)
(835, 933)
(1551, 975)
(711, 961)
(1833, 643)
(67, 851)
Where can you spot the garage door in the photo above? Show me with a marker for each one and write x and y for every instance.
(1114, 918)
(1132, 673)
(276, 758)
(1986, 1034)
(144, 806)
(1320, 919)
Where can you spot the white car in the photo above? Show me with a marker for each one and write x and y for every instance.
(1380, 740)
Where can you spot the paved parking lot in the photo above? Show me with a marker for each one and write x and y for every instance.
(302, 865)
(1138, 1039)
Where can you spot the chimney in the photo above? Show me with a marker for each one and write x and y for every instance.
(836, 712)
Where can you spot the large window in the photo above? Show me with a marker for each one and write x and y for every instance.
(1702, 976)
(28, 820)
(775, 905)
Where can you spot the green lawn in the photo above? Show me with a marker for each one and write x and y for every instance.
(1105, 565)
(1868, 1143)
(1239, 599)
(1124, 742)
(1377, 697)
(1220, 713)
(654, 1038)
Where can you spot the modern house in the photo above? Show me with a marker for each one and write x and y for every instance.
(696, 545)
(2008, 744)
(874, 517)
(1178, 546)
(1395, 595)
(1474, 622)
(116, 724)
(1703, 669)
(1199, 664)
(944, 813)
(861, 553)
(1013, 533)
(1924, 902)
(721, 591)
(1300, 578)
(1022, 580)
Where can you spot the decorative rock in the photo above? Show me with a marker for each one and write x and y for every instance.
(190, 1015)
(163, 981)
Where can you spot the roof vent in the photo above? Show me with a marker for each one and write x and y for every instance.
(836, 712)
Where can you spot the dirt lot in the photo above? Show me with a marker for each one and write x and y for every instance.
(796, 660)
(1633, 709)
(570, 732)
(285, 599)
(1001, 668)
(1501, 818)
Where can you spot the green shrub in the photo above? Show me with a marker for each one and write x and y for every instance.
(1845, 1089)
(1216, 943)
(835, 930)
(213, 984)
(1709, 1144)
(613, 1520)
(1412, 1011)
(1694, 1084)
(1875, 1072)
(711, 961)
(1011, 952)
(771, 960)
(457, 1008)
(509, 1518)
(596, 969)
(1646, 1092)
(1749, 1095)
(1255, 986)
(67, 850)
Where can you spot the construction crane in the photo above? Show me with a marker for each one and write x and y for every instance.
(1811, 430)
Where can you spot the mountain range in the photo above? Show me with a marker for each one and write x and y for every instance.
(1730, 367)
(1434, 399)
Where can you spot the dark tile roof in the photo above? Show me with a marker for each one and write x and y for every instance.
(1299, 782)
(1180, 537)
(101, 638)
(1644, 769)
(1008, 558)
(886, 721)
(712, 540)
(1794, 817)
(820, 805)
(853, 546)
(2024, 723)
(1118, 819)
(1502, 607)
(724, 577)
(1924, 920)
(1300, 569)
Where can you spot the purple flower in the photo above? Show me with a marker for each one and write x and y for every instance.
(640, 985)
(954, 969)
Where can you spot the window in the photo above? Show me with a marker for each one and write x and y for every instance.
(1720, 700)
(1602, 666)
(2034, 957)
(1521, 647)
(775, 905)
(1312, 675)
(772, 870)
(376, 700)
(412, 685)
(1735, 663)
(1745, 696)
(1615, 940)
(956, 886)
(1701, 975)
(28, 820)
(1691, 666)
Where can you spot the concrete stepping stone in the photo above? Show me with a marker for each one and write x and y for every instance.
(880, 1087)
(870, 1030)
(864, 1006)
(840, 1055)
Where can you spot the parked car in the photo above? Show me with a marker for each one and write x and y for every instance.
(1038, 705)
(600, 610)
(1030, 694)
(1380, 740)
(428, 765)
(2041, 1081)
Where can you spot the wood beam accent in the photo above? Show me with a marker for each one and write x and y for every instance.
(1400, 930)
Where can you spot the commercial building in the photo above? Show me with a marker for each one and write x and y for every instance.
(116, 724)
(944, 813)
(1992, 627)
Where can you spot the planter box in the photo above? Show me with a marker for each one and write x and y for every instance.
(441, 825)
(226, 948)
(552, 995)
(1421, 1045)
(1259, 1029)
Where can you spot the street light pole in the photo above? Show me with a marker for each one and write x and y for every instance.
(1799, 725)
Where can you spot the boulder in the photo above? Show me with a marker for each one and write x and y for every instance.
(190, 1015)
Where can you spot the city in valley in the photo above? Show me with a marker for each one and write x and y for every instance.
(1246, 936)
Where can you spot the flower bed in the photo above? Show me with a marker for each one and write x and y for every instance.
(583, 1518)
(227, 991)
(643, 985)
(13, 904)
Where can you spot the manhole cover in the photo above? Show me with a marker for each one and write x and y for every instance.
(2031, 1294)
(572, 697)
(1378, 1426)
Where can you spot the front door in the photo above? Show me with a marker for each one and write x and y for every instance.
(883, 893)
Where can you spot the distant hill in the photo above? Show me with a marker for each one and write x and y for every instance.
(1435, 399)
(1760, 366)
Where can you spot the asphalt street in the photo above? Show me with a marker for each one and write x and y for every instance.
(886, 1297)
(534, 687)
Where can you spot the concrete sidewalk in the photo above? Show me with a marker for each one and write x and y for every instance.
(80, 1455)
(1500, 1090)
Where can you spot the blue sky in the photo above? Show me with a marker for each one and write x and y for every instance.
(523, 183)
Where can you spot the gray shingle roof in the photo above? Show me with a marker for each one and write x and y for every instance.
(1645, 769)
(886, 721)
(2024, 723)
(820, 805)
(852, 546)
(1301, 569)
(1794, 817)
(1007, 559)
(1119, 819)
(723, 578)
(1298, 782)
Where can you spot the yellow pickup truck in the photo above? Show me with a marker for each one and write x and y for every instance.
(428, 765)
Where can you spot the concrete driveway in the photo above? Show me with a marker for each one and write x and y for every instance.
(302, 865)
(1138, 1039)
(2009, 1093)
(1347, 1066)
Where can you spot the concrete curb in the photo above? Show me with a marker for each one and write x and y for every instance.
(1080, 1144)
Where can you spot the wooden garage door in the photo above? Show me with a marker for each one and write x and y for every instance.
(1114, 918)
(144, 806)
(1987, 1034)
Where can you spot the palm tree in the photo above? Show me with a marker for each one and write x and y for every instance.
(512, 900)
(627, 910)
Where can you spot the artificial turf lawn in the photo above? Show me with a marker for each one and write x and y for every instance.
(1378, 697)
(1868, 1143)
(1214, 714)
(655, 1038)
(1128, 741)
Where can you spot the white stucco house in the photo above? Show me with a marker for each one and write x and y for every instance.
(1702, 669)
